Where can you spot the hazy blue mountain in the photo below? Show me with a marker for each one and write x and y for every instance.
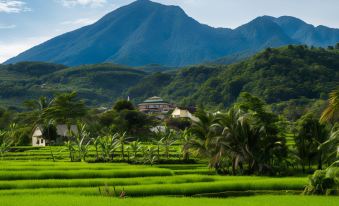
(145, 32)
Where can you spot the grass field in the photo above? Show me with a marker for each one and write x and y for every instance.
(67, 200)
(46, 178)
(32, 179)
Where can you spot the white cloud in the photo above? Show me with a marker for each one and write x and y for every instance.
(7, 26)
(11, 49)
(78, 22)
(13, 6)
(91, 3)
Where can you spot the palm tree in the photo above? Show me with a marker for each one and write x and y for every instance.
(37, 106)
(331, 147)
(65, 109)
(232, 139)
(5, 143)
(331, 113)
(203, 133)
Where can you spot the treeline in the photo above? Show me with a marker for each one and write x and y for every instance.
(247, 138)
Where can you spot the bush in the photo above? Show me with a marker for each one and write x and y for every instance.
(323, 182)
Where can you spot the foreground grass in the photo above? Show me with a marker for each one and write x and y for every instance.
(67, 200)
(161, 188)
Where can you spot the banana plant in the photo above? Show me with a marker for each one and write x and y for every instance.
(149, 155)
(96, 143)
(5, 143)
(82, 141)
(135, 147)
(121, 141)
(186, 140)
(69, 145)
(109, 144)
(167, 141)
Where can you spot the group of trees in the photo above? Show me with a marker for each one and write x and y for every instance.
(248, 138)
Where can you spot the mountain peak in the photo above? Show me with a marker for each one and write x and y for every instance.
(146, 32)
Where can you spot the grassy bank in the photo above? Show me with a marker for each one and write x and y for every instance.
(57, 200)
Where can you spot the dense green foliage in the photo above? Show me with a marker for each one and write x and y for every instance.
(290, 78)
(293, 79)
(97, 84)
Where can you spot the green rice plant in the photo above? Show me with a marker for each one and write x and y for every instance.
(71, 200)
(81, 174)
(184, 189)
(96, 182)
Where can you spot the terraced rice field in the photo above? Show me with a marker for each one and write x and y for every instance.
(86, 179)
(60, 153)
(44, 182)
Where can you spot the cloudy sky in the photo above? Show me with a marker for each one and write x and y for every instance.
(25, 23)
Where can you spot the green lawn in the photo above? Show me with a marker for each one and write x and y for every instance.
(67, 200)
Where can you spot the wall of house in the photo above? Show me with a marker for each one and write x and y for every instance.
(38, 142)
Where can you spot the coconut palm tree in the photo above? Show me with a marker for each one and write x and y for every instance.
(37, 108)
(331, 146)
(65, 108)
(203, 133)
(5, 143)
(331, 113)
(232, 139)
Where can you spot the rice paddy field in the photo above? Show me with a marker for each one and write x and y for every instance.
(34, 179)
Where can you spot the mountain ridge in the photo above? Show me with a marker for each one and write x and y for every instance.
(145, 32)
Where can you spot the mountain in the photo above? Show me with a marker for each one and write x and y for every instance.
(145, 32)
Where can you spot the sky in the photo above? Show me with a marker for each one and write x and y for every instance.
(26, 23)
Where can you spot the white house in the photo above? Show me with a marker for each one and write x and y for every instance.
(183, 113)
(62, 130)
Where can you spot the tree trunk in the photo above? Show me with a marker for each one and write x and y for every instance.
(320, 162)
(233, 166)
(158, 153)
(122, 152)
(96, 152)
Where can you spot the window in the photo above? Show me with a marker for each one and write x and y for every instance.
(42, 141)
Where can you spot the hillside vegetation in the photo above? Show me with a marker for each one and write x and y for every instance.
(284, 76)
(293, 76)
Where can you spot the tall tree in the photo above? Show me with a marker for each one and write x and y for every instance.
(66, 109)
(311, 135)
(331, 113)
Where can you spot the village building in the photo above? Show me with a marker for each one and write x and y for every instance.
(155, 105)
(62, 131)
(183, 113)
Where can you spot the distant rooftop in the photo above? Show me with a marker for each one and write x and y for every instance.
(154, 100)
